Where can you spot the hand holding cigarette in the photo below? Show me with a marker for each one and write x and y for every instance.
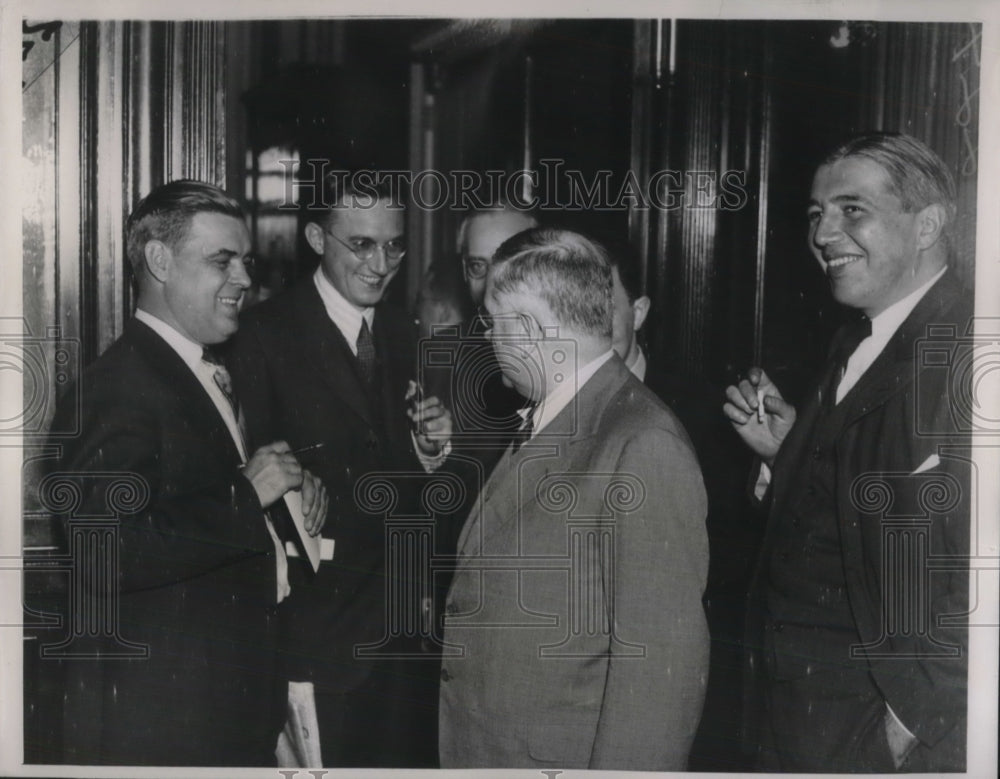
(745, 401)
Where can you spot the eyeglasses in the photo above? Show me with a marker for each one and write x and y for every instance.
(520, 327)
(475, 267)
(364, 248)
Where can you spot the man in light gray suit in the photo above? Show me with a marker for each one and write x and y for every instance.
(575, 630)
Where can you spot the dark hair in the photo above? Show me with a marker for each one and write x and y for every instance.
(623, 257)
(918, 176)
(367, 186)
(493, 209)
(568, 271)
(165, 215)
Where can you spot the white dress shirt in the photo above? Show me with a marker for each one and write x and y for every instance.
(884, 326)
(638, 364)
(191, 353)
(348, 318)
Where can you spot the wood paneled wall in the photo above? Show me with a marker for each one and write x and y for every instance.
(126, 107)
(735, 286)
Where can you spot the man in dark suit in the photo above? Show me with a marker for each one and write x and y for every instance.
(200, 567)
(329, 364)
(858, 666)
(575, 619)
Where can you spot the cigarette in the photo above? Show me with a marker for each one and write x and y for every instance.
(760, 405)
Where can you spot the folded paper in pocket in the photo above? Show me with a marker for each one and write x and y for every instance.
(325, 547)
(931, 462)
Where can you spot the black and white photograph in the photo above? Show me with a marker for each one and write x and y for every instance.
(533, 390)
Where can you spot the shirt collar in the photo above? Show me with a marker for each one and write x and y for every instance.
(550, 406)
(346, 317)
(888, 322)
(638, 365)
(188, 350)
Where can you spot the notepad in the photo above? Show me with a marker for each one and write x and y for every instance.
(311, 544)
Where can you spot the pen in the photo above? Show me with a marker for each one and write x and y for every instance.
(760, 405)
(310, 448)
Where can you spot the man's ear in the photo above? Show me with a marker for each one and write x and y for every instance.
(640, 310)
(930, 225)
(158, 257)
(315, 237)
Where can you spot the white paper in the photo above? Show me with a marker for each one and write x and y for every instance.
(293, 499)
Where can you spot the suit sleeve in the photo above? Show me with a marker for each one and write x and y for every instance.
(166, 535)
(652, 704)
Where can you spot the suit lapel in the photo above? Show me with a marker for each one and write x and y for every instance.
(513, 483)
(176, 374)
(891, 373)
(893, 370)
(325, 346)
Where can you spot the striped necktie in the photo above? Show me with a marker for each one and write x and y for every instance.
(366, 351)
(223, 380)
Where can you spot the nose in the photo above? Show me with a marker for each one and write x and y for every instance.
(238, 274)
(826, 229)
(379, 262)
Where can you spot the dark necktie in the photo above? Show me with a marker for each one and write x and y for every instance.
(220, 374)
(366, 351)
(856, 331)
(523, 433)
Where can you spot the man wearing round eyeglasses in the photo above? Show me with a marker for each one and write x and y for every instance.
(479, 235)
(331, 365)
(484, 404)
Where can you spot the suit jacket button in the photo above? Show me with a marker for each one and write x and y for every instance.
(817, 453)
(445, 676)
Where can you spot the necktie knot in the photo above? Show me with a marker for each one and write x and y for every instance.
(221, 376)
(527, 427)
(856, 331)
